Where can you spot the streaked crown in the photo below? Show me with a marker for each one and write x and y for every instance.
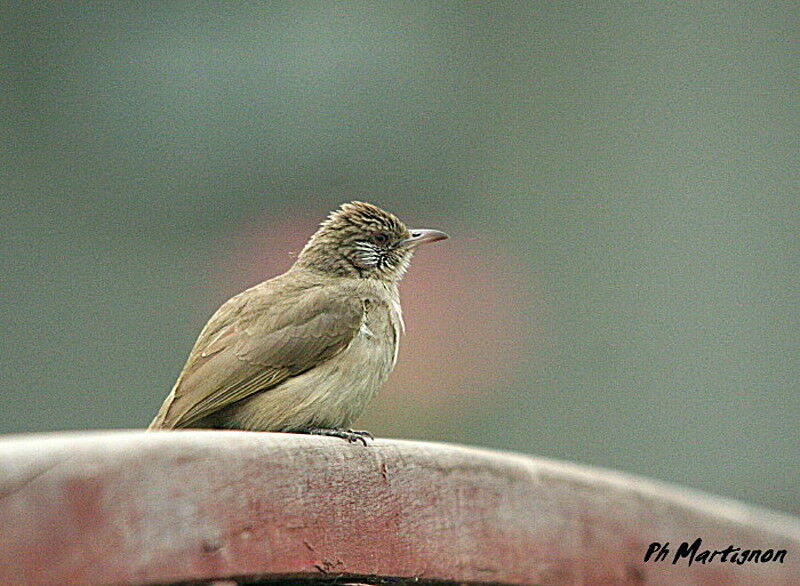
(359, 240)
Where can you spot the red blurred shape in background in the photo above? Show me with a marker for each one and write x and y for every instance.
(467, 308)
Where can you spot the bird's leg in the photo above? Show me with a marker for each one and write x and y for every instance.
(350, 435)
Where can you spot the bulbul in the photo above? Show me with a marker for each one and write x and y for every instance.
(304, 351)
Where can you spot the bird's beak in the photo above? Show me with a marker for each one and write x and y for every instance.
(423, 237)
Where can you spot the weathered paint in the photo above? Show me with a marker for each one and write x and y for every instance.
(135, 507)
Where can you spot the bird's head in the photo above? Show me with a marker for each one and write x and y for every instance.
(362, 240)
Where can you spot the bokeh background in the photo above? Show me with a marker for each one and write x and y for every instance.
(619, 181)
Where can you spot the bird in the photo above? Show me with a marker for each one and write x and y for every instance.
(305, 351)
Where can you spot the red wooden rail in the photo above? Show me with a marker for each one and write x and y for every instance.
(135, 507)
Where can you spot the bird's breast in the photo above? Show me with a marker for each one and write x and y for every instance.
(353, 376)
(335, 392)
(375, 345)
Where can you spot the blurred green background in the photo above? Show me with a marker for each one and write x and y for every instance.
(619, 181)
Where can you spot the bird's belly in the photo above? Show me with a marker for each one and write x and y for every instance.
(331, 395)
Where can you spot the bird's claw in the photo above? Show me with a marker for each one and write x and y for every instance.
(351, 435)
(361, 433)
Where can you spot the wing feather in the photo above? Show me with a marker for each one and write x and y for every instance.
(257, 340)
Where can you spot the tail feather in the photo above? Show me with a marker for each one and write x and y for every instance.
(159, 422)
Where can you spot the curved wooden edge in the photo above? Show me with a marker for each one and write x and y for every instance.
(160, 507)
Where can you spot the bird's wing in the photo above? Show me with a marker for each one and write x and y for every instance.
(255, 341)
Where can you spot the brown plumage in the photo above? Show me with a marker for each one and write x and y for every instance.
(306, 350)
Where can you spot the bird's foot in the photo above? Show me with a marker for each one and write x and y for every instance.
(361, 434)
(351, 435)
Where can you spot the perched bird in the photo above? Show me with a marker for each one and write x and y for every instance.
(304, 351)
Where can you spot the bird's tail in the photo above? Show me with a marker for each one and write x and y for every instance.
(159, 421)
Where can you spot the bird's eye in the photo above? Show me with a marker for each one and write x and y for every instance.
(380, 238)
